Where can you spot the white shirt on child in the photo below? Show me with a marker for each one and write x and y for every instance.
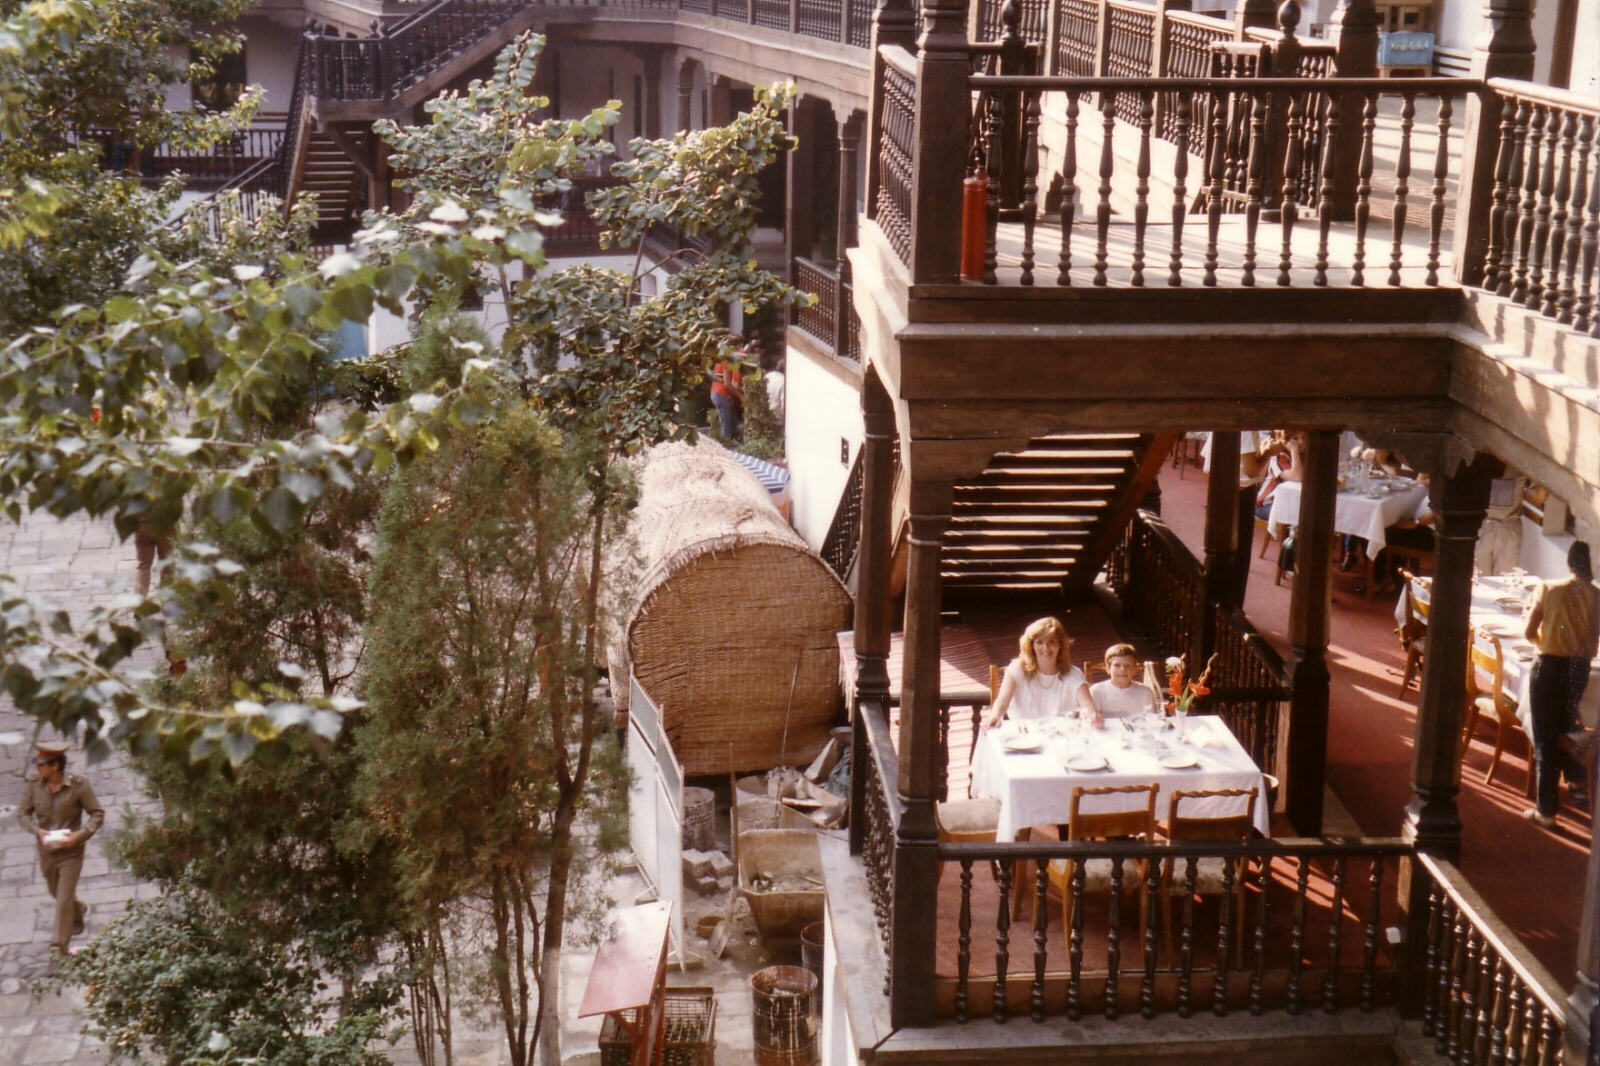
(1117, 702)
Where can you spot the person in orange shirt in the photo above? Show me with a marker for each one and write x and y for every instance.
(727, 394)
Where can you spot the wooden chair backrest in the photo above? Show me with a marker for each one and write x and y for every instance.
(1130, 821)
(1490, 660)
(994, 684)
(1223, 827)
(1416, 609)
(1096, 671)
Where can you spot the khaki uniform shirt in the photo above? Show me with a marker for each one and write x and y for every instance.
(1569, 625)
(63, 809)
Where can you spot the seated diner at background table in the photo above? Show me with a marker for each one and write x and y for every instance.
(1122, 696)
(1041, 681)
(1385, 462)
(1564, 621)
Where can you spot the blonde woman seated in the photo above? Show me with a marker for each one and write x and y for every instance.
(1041, 681)
(1122, 696)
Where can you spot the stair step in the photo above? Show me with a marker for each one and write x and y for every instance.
(1059, 455)
(1040, 521)
(1022, 491)
(1035, 474)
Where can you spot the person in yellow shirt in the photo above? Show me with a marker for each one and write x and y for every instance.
(1565, 624)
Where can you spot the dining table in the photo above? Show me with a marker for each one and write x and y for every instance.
(1363, 507)
(1032, 768)
(1499, 607)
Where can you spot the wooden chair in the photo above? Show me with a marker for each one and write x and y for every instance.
(1210, 873)
(1413, 632)
(1136, 821)
(1485, 656)
(970, 821)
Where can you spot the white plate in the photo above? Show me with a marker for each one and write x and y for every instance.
(1180, 760)
(1524, 654)
(1085, 763)
(1510, 603)
(1023, 744)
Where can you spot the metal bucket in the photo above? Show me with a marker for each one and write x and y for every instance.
(784, 1016)
(811, 948)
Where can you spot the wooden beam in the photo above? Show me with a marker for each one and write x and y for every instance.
(1117, 517)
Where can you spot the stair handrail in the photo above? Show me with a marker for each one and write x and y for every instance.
(393, 58)
(844, 531)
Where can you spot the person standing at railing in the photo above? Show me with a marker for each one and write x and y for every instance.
(1564, 622)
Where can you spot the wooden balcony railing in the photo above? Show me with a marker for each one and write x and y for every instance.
(1312, 937)
(577, 226)
(875, 810)
(1485, 998)
(821, 319)
(221, 163)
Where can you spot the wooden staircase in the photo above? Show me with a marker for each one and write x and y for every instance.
(327, 171)
(1043, 520)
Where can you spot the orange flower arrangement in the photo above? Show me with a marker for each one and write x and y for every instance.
(1183, 691)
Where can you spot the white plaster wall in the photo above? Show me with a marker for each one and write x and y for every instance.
(822, 409)
(1586, 51)
(593, 74)
(269, 55)
(1456, 22)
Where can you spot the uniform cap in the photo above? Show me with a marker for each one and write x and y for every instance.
(51, 748)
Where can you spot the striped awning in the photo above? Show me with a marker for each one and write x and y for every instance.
(774, 478)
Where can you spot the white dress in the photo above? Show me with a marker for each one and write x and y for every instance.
(1042, 695)
(1115, 702)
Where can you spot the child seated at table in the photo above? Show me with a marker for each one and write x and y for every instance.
(1121, 696)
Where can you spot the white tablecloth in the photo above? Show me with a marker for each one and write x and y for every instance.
(1354, 512)
(1036, 788)
(1494, 612)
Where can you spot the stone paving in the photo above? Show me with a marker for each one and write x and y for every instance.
(77, 564)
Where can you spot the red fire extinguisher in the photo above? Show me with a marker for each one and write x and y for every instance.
(974, 224)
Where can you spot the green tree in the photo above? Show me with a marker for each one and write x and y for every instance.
(474, 675)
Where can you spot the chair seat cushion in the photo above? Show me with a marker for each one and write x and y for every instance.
(1207, 875)
(970, 816)
(1097, 874)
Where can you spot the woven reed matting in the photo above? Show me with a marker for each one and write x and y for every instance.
(733, 609)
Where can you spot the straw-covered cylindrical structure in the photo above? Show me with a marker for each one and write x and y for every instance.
(732, 630)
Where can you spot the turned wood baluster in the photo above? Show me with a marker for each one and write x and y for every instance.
(1497, 1013)
(1441, 170)
(1330, 140)
(1259, 105)
(1495, 259)
(1488, 961)
(1225, 931)
(1216, 164)
(1458, 966)
(1402, 186)
(1297, 934)
(1180, 206)
(1114, 933)
(1141, 191)
(1514, 1025)
(1513, 214)
(1186, 950)
(1108, 118)
(1030, 182)
(1041, 919)
(1069, 189)
(1532, 1030)
(1591, 238)
(1151, 908)
(1572, 240)
(1528, 213)
(1369, 955)
(964, 941)
(992, 209)
(1369, 129)
(1553, 292)
(1461, 1049)
(1541, 222)
(1002, 943)
(1289, 208)
(1444, 1024)
(1075, 946)
(1258, 977)
(944, 722)
(1330, 985)
(1430, 1000)
(1549, 1039)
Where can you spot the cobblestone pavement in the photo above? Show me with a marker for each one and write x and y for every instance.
(77, 564)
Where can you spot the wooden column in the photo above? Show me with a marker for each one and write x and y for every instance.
(1504, 49)
(939, 156)
(1222, 510)
(849, 150)
(1354, 29)
(893, 22)
(719, 108)
(877, 540)
(1432, 821)
(1308, 636)
(686, 96)
(652, 92)
(916, 857)
(799, 223)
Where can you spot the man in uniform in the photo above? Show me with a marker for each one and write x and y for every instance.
(53, 808)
